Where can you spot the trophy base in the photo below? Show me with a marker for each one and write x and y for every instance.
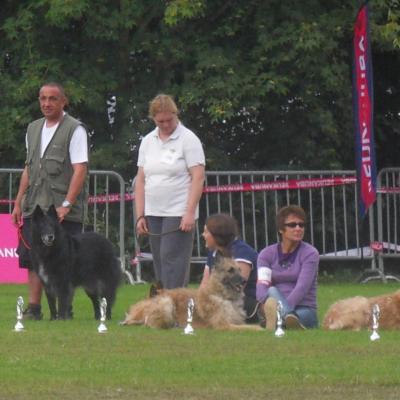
(102, 328)
(19, 327)
(188, 330)
(279, 332)
(374, 336)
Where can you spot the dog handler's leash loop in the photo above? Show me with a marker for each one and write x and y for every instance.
(150, 233)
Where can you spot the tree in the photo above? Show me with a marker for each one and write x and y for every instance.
(267, 83)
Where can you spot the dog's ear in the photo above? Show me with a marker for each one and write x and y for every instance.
(155, 289)
(37, 212)
(221, 261)
(52, 212)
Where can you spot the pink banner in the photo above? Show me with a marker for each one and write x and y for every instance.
(9, 270)
(310, 183)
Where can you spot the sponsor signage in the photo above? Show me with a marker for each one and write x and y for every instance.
(363, 112)
(9, 270)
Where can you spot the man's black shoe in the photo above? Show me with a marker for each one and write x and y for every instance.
(33, 312)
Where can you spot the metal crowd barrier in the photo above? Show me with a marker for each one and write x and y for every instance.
(388, 202)
(100, 211)
(253, 198)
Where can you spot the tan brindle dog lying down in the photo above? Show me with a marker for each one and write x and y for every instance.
(217, 305)
(356, 312)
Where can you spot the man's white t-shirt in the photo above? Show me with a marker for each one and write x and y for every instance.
(78, 148)
(166, 170)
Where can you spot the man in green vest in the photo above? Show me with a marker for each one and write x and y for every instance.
(55, 173)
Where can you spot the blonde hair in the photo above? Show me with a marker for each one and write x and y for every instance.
(162, 103)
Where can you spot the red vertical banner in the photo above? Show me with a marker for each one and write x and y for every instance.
(363, 108)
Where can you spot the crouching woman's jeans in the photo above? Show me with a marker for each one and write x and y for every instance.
(307, 315)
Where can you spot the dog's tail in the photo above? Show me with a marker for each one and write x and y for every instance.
(130, 320)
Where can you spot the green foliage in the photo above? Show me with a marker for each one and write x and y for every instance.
(268, 83)
(177, 10)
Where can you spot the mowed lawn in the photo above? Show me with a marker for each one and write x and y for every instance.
(71, 360)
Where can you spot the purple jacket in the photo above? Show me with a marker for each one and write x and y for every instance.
(294, 274)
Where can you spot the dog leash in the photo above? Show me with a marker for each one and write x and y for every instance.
(21, 237)
(254, 311)
(151, 233)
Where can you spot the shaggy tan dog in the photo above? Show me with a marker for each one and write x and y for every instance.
(218, 305)
(356, 312)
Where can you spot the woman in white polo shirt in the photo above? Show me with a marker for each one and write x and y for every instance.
(168, 187)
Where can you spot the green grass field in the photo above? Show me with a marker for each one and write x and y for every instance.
(71, 360)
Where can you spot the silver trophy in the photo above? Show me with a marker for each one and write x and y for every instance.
(375, 322)
(279, 332)
(188, 328)
(103, 312)
(19, 327)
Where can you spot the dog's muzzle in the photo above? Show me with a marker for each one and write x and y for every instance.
(238, 285)
(48, 240)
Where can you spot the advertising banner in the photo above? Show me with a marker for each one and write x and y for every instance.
(9, 270)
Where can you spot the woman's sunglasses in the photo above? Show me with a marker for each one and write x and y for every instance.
(294, 224)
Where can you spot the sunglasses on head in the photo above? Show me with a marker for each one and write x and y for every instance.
(294, 224)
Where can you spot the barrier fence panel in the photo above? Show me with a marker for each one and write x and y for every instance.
(105, 210)
(254, 197)
(9, 181)
(388, 202)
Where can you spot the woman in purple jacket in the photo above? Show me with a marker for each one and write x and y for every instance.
(287, 272)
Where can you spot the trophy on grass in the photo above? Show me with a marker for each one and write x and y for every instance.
(189, 329)
(375, 322)
(103, 312)
(19, 327)
(279, 332)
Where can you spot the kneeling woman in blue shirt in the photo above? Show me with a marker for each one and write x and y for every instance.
(221, 237)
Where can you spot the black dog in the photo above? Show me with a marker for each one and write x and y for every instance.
(64, 262)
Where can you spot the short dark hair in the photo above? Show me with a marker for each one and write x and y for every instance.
(224, 229)
(57, 85)
(284, 212)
